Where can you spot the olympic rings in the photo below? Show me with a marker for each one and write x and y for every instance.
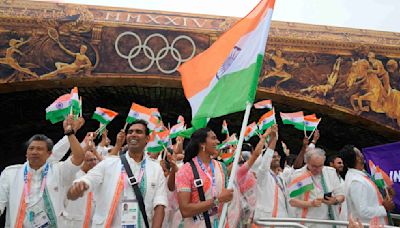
(149, 53)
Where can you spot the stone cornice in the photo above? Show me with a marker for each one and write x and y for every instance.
(294, 36)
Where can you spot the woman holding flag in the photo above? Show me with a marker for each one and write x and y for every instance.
(200, 199)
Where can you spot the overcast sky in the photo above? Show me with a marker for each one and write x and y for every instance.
(381, 15)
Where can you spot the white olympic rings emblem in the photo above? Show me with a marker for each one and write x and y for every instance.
(149, 53)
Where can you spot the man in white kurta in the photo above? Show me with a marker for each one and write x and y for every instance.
(271, 193)
(104, 180)
(15, 189)
(363, 199)
(316, 206)
(79, 213)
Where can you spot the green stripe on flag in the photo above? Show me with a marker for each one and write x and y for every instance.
(232, 91)
(58, 115)
(301, 190)
(100, 118)
(300, 126)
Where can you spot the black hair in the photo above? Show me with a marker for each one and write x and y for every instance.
(142, 122)
(290, 159)
(192, 149)
(247, 147)
(349, 156)
(332, 158)
(41, 137)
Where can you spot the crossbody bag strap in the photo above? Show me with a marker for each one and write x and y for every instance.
(198, 183)
(136, 190)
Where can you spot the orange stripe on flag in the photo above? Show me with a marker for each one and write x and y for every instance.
(199, 71)
(108, 112)
(299, 178)
(141, 109)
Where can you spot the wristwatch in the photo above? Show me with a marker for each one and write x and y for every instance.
(216, 202)
(69, 132)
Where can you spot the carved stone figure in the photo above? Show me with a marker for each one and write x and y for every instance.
(372, 91)
(81, 64)
(325, 88)
(278, 70)
(11, 61)
(378, 69)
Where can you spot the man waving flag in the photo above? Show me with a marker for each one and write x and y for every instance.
(223, 78)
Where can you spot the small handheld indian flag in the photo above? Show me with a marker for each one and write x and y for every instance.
(155, 113)
(379, 176)
(225, 128)
(223, 78)
(300, 185)
(176, 129)
(75, 103)
(59, 109)
(154, 145)
(139, 112)
(292, 118)
(232, 140)
(266, 121)
(103, 115)
(310, 123)
(263, 104)
(228, 157)
(251, 130)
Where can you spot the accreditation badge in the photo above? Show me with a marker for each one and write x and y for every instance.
(38, 217)
(130, 213)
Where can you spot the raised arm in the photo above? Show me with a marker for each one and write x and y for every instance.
(267, 158)
(66, 50)
(259, 147)
(119, 143)
(77, 153)
(299, 162)
(61, 148)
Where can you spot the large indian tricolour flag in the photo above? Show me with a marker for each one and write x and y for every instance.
(223, 78)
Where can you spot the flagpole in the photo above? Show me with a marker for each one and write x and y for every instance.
(126, 124)
(273, 110)
(305, 133)
(314, 128)
(235, 161)
(80, 105)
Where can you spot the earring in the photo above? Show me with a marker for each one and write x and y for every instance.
(204, 148)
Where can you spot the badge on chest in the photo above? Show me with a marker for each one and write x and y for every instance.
(38, 217)
(129, 215)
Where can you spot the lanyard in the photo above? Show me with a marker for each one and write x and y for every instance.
(141, 172)
(278, 182)
(28, 178)
(317, 184)
(212, 178)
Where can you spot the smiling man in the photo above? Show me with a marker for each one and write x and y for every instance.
(112, 189)
(33, 192)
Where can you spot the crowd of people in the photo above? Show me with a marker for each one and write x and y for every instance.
(126, 186)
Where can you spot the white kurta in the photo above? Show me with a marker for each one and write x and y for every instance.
(361, 197)
(266, 186)
(59, 178)
(75, 211)
(332, 184)
(103, 179)
(103, 150)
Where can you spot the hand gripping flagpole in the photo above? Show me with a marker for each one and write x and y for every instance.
(235, 162)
